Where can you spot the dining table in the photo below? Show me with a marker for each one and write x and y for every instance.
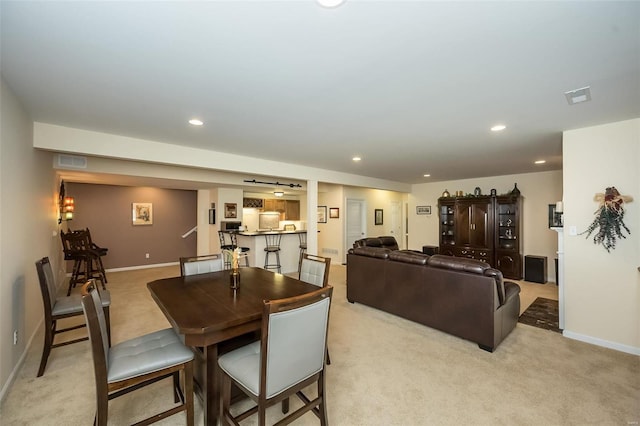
(211, 316)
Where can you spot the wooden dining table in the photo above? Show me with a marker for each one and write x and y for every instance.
(209, 314)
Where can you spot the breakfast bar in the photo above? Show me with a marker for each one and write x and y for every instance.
(256, 242)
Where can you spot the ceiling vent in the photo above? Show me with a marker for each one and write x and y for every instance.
(578, 95)
(72, 161)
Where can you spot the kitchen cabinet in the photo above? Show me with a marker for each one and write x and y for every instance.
(288, 209)
(292, 210)
(274, 205)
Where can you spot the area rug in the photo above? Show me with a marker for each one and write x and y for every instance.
(542, 313)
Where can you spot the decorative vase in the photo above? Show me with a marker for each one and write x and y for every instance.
(234, 279)
(515, 191)
(477, 191)
(445, 193)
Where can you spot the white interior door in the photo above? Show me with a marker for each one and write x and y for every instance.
(396, 222)
(356, 223)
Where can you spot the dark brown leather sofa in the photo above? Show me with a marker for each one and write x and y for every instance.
(388, 242)
(463, 297)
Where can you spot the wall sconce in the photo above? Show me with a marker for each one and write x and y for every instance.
(66, 211)
(278, 193)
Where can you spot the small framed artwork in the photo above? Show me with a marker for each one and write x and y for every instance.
(334, 212)
(322, 214)
(230, 210)
(423, 209)
(142, 213)
(378, 217)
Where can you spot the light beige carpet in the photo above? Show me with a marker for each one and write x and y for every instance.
(384, 371)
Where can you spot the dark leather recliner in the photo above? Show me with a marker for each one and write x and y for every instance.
(388, 242)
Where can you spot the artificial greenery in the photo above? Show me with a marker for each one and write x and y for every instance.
(609, 222)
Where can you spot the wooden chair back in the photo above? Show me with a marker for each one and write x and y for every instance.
(97, 325)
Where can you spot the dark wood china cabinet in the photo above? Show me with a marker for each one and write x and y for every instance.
(481, 227)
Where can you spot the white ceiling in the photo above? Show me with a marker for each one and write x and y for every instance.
(410, 86)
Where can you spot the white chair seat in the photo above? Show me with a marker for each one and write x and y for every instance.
(72, 304)
(146, 354)
(243, 364)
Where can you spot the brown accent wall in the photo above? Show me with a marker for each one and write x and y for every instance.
(107, 211)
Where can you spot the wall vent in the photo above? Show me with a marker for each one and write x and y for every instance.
(329, 251)
(72, 161)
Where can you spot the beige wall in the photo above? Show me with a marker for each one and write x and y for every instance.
(107, 211)
(28, 227)
(331, 237)
(330, 234)
(602, 290)
(538, 191)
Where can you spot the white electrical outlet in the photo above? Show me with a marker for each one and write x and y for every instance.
(15, 337)
(146, 255)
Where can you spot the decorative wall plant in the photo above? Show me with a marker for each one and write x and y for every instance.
(609, 223)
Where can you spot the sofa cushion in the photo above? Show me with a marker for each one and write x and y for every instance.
(458, 264)
(379, 252)
(409, 256)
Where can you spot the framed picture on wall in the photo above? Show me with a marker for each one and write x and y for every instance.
(142, 213)
(378, 217)
(230, 210)
(322, 214)
(334, 212)
(423, 209)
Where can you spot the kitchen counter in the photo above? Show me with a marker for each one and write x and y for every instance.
(289, 247)
(275, 231)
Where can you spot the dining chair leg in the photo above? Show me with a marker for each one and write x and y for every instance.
(49, 332)
(102, 412)
(188, 392)
(322, 409)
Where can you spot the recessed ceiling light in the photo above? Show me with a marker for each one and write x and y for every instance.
(426, 175)
(540, 161)
(498, 127)
(330, 3)
(356, 159)
(195, 122)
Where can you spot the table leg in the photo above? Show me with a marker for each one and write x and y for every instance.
(211, 387)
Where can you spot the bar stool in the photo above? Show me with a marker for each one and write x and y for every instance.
(244, 250)
(303, 247)
(273, 246)
(224, 246)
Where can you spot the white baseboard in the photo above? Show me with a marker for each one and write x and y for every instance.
(18, 366)
(133, 268)
(601, 342)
